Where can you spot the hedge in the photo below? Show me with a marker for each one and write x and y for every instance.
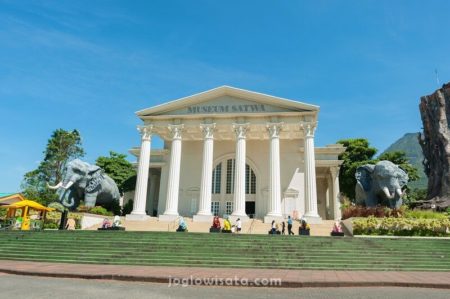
(401, 226)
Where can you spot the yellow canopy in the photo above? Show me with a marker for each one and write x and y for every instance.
(27, 203)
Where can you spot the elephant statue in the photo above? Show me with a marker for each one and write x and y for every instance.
(83, 181)
(380, 184)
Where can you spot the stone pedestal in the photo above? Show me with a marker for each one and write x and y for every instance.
(137, 217)
(269, 219)
(203, 218)
(168, 218)
(243, 218)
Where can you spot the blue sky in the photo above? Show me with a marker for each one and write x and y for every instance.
(90, 65)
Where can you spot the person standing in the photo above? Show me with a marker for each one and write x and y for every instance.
(289, 221)
(283, 227)
(70, 225)
(273, 231)
(238, 225)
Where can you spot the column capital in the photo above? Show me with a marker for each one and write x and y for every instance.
(146, 131)
(309, 128)
(175, 131)
(208, 130)
(241, 130)
(334, 170)
(274, 129)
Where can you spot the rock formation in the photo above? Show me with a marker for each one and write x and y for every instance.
(435, 143)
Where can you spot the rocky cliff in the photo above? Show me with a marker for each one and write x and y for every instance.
(435, 143)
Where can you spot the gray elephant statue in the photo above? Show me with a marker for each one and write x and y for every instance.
(380, 184)
(83, 181)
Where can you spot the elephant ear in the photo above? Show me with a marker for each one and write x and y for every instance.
(93, 168)
(403, 177)
(363, 176)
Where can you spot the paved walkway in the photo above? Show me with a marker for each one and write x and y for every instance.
(227, 276)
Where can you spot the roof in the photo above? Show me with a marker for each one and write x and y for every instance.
(10, 198)
(227, 91)
(27, 203)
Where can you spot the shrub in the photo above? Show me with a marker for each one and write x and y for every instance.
(127, 208)
(424, 214)
(378, 212)
(100, 211)
(401, 226)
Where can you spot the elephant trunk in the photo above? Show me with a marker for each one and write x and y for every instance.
(387, 193)
(54, 187)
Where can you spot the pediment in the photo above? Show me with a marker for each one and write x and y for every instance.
(227, 100)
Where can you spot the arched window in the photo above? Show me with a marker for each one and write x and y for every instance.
(250, 178)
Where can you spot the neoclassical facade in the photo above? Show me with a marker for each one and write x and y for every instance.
(229, 151)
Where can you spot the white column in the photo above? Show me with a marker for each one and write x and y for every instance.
(173, 185)
(310, 174)
(274, 210)
(140, 195)
(204, 208)
(239, 175)
(335, 194)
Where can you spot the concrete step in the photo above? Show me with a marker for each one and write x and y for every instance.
(254, 226)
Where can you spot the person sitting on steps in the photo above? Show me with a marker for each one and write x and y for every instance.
(337, 230)
(226, 226)
(182, 227)
(304, 229)
(215, 228)
(106, 223)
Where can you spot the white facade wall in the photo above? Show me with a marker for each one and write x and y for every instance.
(257, 158)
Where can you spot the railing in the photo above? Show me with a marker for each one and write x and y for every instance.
(250, 229)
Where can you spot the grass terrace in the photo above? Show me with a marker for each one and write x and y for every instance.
(226, 250)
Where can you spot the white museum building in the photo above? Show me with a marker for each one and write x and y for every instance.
(229, 151)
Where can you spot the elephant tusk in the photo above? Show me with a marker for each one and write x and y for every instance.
(68, 185)
(387, 193)
(54, 187)
(399, 192)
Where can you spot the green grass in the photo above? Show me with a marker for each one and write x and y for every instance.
(226, 250)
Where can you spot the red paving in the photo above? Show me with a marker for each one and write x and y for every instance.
(289, 278)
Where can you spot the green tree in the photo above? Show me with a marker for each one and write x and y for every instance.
(358, 152)
(62, 147)
(119, 169)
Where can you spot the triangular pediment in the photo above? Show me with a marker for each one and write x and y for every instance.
(227, 100)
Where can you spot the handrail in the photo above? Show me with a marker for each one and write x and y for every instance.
(249, 231)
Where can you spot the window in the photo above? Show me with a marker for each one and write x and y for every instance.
(252, 182)
(216, 178)
(250, 178)
(229, 208)
(215, 208)
(230, 176)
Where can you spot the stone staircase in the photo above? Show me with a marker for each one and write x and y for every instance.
(226, 250)
(254, 226)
